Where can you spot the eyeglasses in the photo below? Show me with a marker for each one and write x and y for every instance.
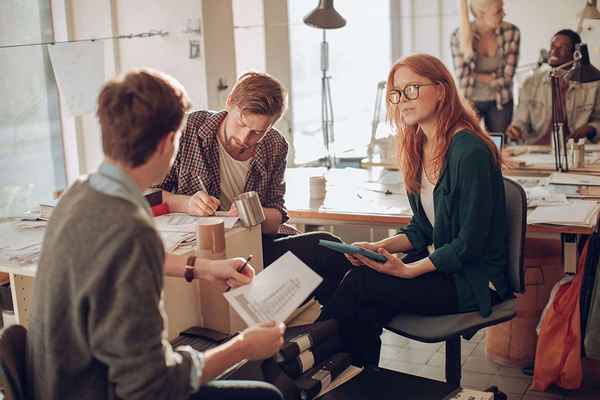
(411, 92)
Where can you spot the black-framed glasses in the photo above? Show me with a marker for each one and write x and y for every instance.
(411, 92)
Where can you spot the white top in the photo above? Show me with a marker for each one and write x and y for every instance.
(233, 175)
(427, 201)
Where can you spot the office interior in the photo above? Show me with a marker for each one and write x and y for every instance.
(46, 145)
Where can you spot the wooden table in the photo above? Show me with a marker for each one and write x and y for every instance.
(535, 166)
(183, 304)
(342, 205)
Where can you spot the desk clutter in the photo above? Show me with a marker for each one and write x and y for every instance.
(561, 199)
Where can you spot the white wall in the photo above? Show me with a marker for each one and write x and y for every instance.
(422, 26)
(540, 19)
(86, 19)
(169, 54)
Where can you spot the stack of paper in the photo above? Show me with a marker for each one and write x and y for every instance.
(177, 229)
(543, 196)
(582, 213)
(559, 178)
(20, 245)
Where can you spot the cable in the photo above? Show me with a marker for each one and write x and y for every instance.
(151, 33)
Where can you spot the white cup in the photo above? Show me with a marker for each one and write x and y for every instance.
(317, 187)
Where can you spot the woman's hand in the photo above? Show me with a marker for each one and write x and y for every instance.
(393, 266)
(352, 257)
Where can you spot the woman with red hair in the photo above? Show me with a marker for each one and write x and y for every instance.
(452, 174)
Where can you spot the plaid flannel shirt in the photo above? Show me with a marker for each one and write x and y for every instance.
(196, 165)
(508, 38)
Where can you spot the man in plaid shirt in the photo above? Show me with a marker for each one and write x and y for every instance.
(223, 154)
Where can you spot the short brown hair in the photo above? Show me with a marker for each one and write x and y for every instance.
(137, 111)
(259, 93)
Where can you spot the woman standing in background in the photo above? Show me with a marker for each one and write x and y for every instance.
(485, 53)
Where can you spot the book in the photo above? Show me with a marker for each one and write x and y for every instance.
(560, 178)
(471, 394)
(46, 209)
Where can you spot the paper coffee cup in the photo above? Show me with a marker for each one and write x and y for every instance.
(317, 186)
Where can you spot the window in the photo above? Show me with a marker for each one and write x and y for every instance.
(359, 57)
(31, 150)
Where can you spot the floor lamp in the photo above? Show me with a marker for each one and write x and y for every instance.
(583, 72)
(326, 17)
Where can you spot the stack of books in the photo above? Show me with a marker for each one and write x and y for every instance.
(46, 209)
(312, 363)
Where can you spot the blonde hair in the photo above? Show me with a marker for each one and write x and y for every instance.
(466, 30)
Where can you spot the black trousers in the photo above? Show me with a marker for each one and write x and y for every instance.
(495, 120)
(329, 264)
(237, 390)
(366, 300)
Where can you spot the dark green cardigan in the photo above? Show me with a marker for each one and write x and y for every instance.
(470, 228)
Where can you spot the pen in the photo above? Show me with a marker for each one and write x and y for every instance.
(241, 268)
(202, 187)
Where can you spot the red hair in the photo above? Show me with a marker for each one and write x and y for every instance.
(453, 113)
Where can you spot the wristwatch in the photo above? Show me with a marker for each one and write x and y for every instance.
(190, 265)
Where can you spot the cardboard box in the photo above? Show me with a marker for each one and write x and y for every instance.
(200, 303)
(217, 314)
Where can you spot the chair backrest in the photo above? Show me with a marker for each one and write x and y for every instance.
(516, 219)
(13, 348)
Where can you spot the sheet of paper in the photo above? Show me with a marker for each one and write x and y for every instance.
(79, 71)
(173, 239)
(276, 292)
(180, 222)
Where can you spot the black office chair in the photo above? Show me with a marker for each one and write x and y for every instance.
(13, 347)
(450, 328)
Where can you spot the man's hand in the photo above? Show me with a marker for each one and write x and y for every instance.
(353, 257)
(233, 211)
(201, 204)
(225, 272)
(582, 132)
(514, 132)
(393, 266)
(261, 341)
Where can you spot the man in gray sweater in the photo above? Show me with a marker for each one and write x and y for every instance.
(98, 327)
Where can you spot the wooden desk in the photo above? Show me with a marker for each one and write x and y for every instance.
(182, 299)
(353, 196)
(341, 204)
(544, 167)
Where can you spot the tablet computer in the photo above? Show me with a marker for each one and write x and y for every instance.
(349, 249)
(498, 139)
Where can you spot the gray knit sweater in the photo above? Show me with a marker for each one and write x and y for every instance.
(96, 322)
